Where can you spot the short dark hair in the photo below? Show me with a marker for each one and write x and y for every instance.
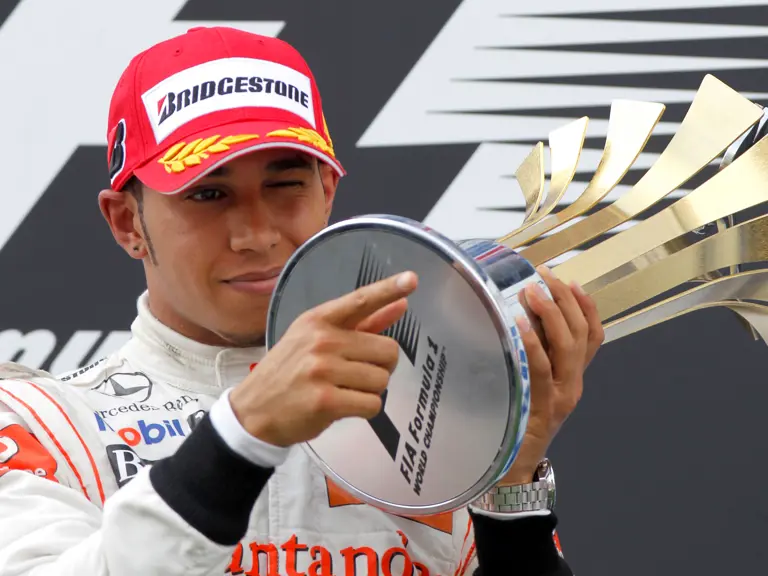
(135, 188)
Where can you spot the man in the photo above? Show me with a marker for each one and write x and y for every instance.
(221, 165)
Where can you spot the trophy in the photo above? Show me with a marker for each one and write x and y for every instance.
(455, 412)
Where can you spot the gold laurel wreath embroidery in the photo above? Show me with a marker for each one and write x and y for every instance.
(182, 155)
(328, 133)
(304, 135)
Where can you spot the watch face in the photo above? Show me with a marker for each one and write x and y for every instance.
(543, 470)
(546, 474)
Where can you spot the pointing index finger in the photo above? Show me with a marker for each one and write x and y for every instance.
(351, 309)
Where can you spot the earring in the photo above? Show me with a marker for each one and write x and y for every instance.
(135, 248)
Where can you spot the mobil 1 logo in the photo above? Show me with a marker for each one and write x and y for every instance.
(124, 461)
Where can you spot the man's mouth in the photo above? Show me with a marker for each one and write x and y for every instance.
(257, 282)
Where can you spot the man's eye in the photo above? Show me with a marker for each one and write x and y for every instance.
(206, 195)
(286, 184)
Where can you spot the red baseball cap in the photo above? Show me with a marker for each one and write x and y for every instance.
(187, 105)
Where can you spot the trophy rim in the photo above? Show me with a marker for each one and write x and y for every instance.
(484, 287)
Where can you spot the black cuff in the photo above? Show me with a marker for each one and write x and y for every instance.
(525, 546)
(210, 486)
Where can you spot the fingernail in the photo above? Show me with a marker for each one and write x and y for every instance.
(577, 287)
(523, 324)
(535, 290)
(543, 271)
(406, 280)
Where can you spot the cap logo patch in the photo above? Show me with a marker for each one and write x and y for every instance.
(226, 84)
(116, 143)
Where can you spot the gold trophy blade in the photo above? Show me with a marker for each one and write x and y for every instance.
(752, 285)
(722, 224)
(565, 145)
(757, 328)
(741, 244)
(751, 314)
(741, 185)
(630, 126)
(530, 175)
(649, 258)
(754, 316)
(717, 117)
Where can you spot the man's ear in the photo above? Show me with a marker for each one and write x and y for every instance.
(330, 179)
(120, 210)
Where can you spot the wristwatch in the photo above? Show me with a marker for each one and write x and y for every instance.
(535, 496)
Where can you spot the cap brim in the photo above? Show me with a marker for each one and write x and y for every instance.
(186, 162)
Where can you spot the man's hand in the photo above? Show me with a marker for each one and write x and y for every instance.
(573, 333)
(331, 363)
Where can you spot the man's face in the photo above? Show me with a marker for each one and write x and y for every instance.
(214, 251)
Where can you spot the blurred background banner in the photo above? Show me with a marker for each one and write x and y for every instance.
(431, 106)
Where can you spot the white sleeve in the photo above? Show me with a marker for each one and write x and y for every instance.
(240, 440)
(171, 519)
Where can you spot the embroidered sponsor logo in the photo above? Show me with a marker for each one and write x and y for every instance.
(20, 450)
(134, 386)
(319, 561)
(145, 432)
(125, 463)
(81, 371)
(8, 449)
(170, 406)
(116, 146)
(225, 84)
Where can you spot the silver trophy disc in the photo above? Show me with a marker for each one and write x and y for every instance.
(457, 405)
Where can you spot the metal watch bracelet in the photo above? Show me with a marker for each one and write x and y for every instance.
(531, 497)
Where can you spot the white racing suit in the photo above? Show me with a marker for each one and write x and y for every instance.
(101, 474)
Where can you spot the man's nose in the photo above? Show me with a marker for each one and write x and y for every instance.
(253, 228)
